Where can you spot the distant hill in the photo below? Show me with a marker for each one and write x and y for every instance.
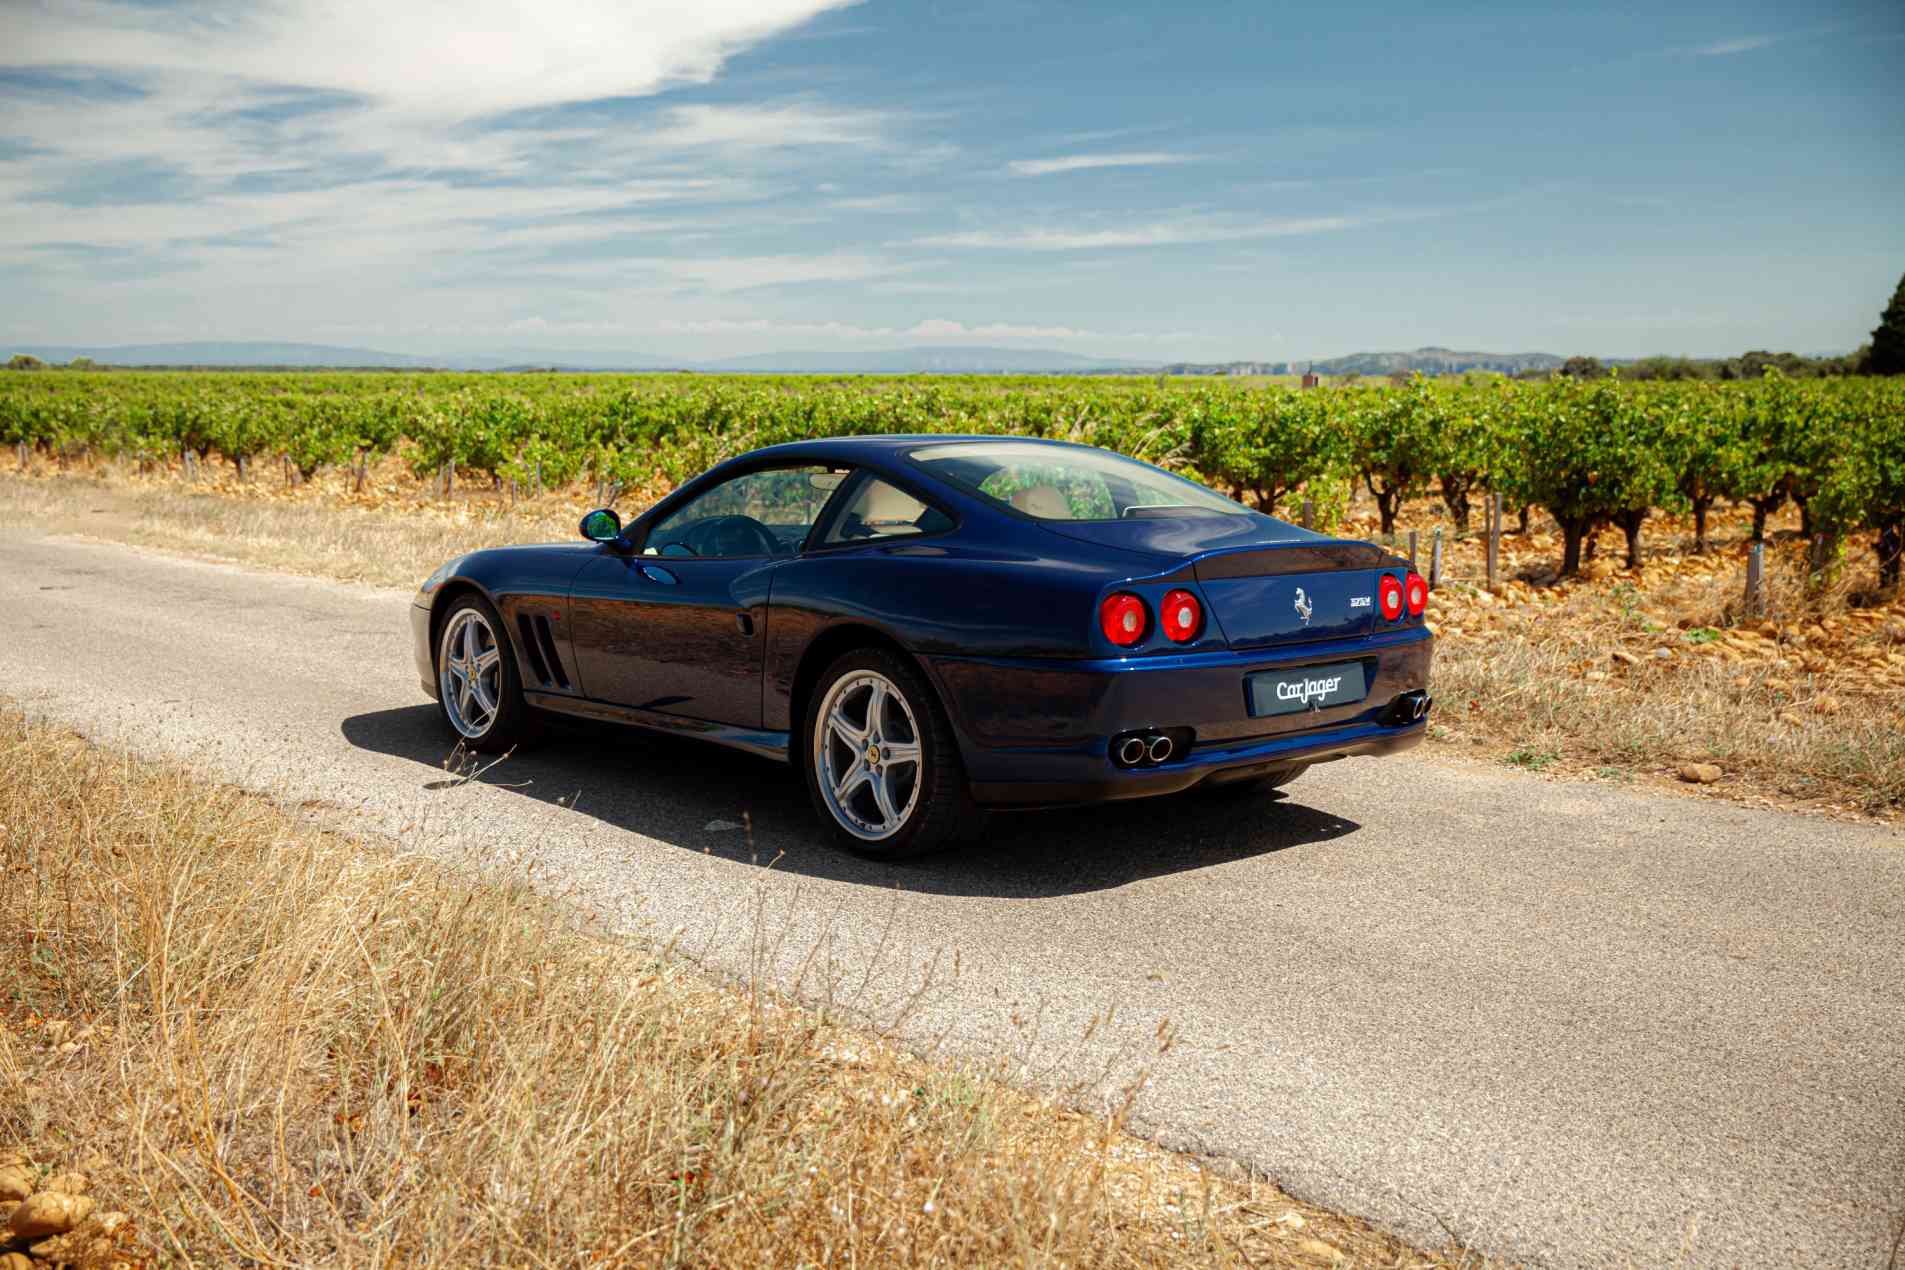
(1227, 368)
(946, 361)
(209, 353)
(898, 361)
(1432, 361)
(257, 353)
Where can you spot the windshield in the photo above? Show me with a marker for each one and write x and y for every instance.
(1052, 482)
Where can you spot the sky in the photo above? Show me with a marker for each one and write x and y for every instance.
(1172, 181)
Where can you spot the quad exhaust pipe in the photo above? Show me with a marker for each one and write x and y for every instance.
(1143, 749)
(1408, 707)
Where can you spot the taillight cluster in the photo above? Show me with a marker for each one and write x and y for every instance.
(1389, 596)
(1395, 596)
(1415, 589)
(1126, 619)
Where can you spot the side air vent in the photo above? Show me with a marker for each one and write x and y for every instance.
(550, 657)
(538, 666)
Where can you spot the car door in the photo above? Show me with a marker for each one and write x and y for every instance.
(679, 627)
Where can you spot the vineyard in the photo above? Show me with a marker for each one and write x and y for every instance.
(1591, 453)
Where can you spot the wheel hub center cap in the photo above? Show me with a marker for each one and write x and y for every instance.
(873, 755)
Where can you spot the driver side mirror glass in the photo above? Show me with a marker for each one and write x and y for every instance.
(602, 525)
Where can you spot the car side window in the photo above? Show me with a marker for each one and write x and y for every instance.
(767, 513)
(879, 510)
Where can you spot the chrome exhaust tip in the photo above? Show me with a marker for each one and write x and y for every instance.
(1159, 749)
(1131, 752)
(1423, 703)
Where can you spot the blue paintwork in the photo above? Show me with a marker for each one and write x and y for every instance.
(1001, 614)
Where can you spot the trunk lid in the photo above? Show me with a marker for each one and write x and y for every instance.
(1292, 592)
(1251, 569)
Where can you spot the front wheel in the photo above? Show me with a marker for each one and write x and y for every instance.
(477, 685)
(881, 761)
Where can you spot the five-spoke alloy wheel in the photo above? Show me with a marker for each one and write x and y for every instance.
(880, 758)
(866, 754)
(477, 684)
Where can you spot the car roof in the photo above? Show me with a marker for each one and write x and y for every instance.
(886, 446)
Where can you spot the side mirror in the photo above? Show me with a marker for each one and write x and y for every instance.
(602, 525)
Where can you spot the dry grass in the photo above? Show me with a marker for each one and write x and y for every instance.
(394, 536)
(1632, 673)
(277, 1045)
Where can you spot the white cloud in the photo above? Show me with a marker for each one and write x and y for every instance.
(439, 58)
(879, 203)
(1082, 162)
(305, 139)
(1743, 44)
(767, 127)
(742, 273)
(1187, 229)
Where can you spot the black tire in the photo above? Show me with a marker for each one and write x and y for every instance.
(1261, 783)
(942, 811)
(510, 723)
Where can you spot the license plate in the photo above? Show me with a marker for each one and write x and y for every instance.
(1312, 688)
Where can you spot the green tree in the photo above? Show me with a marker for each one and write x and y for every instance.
(1706, 448)
(1397, 435)
(1888, 341)
(1262, 446)
(1466, 445)
(1593, 455)
(25, 361)
(1865, 487)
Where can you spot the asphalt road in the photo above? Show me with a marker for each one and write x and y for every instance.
(1571, 1024)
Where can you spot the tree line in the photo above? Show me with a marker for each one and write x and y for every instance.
(1592, 452)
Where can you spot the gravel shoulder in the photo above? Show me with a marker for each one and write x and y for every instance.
(1568, 1023)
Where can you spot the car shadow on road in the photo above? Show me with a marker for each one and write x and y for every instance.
(720, 802)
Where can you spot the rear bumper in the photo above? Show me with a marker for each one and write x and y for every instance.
(1100, 782)
(1036, 732)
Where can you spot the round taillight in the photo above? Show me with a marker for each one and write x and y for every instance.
(1122, 617)
(1389, 595)
(1415, 592)
(1180, 615)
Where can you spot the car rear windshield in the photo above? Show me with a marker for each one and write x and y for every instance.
(1054, 482)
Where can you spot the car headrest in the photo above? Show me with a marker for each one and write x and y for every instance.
(884, 505)
(1043, 501)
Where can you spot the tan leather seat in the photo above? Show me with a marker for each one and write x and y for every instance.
(883, 507)
(1042, 501)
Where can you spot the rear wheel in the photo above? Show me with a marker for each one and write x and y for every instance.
(478, 687)
(881, 762)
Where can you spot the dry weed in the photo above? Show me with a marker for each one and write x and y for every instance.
(1627, 672)
(276, 1045)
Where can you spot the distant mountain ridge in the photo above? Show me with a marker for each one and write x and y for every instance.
(240, 354)
(943, 360)
(1430, 361)
(952, 360)
(243, 353)
(1433, 361)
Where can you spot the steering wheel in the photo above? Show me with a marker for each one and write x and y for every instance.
(731, 536)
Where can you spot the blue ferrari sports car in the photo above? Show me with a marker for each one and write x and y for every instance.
(929, 626)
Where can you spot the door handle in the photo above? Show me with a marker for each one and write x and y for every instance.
(744, 623)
